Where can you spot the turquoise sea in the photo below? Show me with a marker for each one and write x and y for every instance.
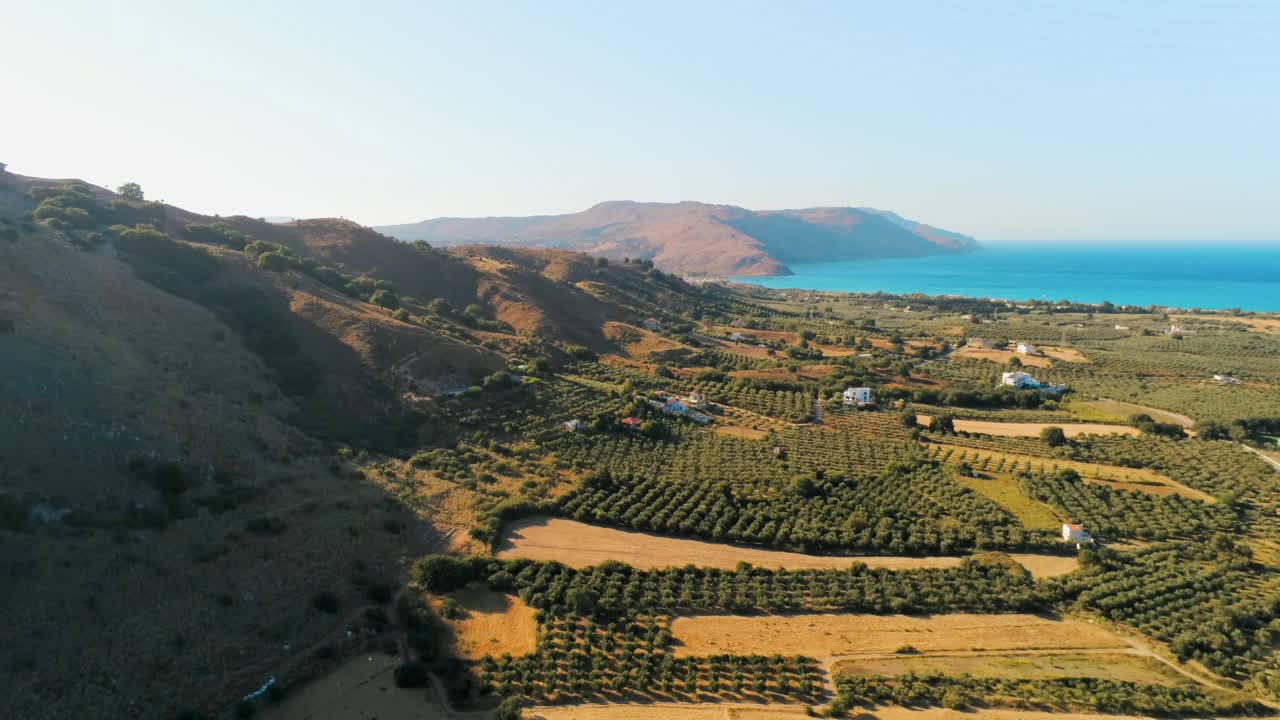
(1187, 276)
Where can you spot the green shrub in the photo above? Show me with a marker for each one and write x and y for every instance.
(273, 262)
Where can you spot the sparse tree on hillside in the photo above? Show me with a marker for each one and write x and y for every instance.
(385, 298)
(273, 261)
(131, 191)
(1053, 436)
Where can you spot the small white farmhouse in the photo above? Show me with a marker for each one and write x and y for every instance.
(1075, 533)
(572, 425)
(696, 400)
(737, 337)
(1026, 348)
(857, 396)
(652, 323)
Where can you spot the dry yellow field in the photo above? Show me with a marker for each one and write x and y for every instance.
(492, 624)
(1119, 666)
(685, 711)
(364, 687)
(1016, 429)
(579, 545)
(1136, 479)
(836, 634)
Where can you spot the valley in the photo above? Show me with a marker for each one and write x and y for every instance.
(383, 478)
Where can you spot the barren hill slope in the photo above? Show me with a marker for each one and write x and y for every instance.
(697, 238)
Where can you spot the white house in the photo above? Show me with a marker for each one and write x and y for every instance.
(1026, 348)
(652, 323)
(1075, 533)
(572, 425)
(737, 337)
(1018, 379)
(1122, 327)
(1226, 379)
(857, 396)
(696, 400)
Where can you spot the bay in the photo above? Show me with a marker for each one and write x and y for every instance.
(1186, 276)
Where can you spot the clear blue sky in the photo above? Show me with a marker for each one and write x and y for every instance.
(1010, 121)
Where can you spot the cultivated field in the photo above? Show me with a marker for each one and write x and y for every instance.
(1007, 492)
(1137, 479)
(1121, 411)
(580, 545)
(1017, 429)
(834, 635)
(491, 624)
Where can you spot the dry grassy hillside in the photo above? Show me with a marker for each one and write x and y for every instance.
(189, 404)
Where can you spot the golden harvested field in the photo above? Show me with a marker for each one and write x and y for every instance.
(1136, 479)
(1120, 666)
(1015, 429)
(835, 634)
(706, 711)
(1121, 411)
(1006, 491)
(363, 688)
(492, 624)
(579, 545)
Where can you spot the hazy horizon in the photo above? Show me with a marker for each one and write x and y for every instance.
(1030, 122)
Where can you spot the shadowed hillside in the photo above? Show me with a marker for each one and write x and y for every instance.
(700, 239)
(191, 403)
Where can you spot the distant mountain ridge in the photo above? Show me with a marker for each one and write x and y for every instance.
(701, 239)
